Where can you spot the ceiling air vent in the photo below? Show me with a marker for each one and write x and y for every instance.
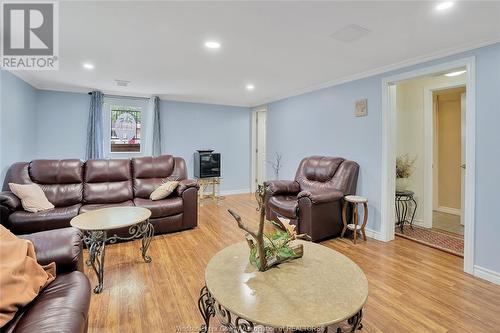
(122, 83)
(350, 33)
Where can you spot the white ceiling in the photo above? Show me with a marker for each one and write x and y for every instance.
(283, 48)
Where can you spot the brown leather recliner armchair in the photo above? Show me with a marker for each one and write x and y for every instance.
(63, 305)
(313, 201)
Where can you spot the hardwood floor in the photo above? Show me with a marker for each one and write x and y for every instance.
(412, 288)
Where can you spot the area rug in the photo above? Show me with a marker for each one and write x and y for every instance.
(440, 240)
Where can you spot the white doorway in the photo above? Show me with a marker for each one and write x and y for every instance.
(259, 117)
(447, 159)
(388, 176)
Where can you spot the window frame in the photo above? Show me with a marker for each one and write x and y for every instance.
(109, 102)
(110, 128)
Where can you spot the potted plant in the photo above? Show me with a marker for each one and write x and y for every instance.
(404, 168)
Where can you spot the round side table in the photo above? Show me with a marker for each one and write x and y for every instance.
(355, 227)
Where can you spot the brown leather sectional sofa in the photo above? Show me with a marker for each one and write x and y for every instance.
(75, 187)
(313, 201)
(64, 304)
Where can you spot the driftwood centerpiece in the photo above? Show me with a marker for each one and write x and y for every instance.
(270, 249)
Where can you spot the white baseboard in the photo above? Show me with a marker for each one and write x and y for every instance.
(421, 223)
(449, 210)
(487, 274)
(240, 191)
(374, 234)
(231, 192)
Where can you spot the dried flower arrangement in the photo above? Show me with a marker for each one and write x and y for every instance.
(404, 166)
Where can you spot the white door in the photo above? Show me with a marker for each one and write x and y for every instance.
(261, 147)
(462, 158)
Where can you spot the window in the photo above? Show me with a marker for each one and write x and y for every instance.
(125, 129)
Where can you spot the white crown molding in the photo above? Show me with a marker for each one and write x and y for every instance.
(383, 69)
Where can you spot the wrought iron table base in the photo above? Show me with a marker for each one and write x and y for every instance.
(95, 240)
(209, 308)
(402, 210)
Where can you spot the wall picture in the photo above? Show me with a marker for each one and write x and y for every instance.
(361, 108)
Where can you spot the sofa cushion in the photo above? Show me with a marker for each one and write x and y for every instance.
(107, 181)
(150, 172)
(22, 222)
(161, 208)
(33, 199)
(60, 180)
(285, 205)
(317, 171)
(61, 307)
(88, 208)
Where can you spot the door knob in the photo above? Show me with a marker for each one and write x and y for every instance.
(463, 166)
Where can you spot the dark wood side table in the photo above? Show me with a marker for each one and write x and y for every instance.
(402, 201)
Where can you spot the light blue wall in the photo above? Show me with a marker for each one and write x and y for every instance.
(322, 122)
(62, 127)
(17, 121)
(62, 124)
(190, 126)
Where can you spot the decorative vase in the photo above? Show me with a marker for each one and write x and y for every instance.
(402, 184)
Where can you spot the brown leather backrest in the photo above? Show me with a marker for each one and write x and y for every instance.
(150, 172)
(107, 181)
(60, 180)
(321, 172)
(18, 173)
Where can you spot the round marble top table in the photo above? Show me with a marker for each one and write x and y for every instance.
(110, 218)
(97, 223)
(322, 288)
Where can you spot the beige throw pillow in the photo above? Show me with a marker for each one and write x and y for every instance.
(32, 197)
(164, 190)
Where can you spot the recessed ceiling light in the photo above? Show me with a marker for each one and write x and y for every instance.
(444, 5)
(457, 73)
(212, 44)
(88, 66)
(250, 87)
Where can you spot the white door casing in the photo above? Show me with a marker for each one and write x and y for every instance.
(389, 152)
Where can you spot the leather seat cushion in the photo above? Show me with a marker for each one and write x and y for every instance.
(23, 222)
(285, 205)
(88, 208)
(61, 307)
(161, 208)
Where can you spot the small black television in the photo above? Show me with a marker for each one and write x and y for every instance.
(206, 164)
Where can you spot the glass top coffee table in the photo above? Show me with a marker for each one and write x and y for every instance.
(321, 289)
(97, 223)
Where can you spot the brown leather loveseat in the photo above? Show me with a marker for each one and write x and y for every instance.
(75, 187)
(63, 305)
(313, 201)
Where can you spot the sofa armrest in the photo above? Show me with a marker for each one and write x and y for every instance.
(63, 246)
(321, 196)
(9, 200)
(185, 184)
(274, 187)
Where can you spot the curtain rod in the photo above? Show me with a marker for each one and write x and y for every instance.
(121, 96)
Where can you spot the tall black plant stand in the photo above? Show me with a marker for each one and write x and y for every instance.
(404, 200)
